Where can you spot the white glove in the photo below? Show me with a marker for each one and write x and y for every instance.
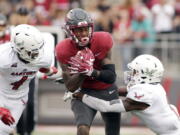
(67, 96)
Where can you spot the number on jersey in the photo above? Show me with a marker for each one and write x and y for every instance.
(17, 84)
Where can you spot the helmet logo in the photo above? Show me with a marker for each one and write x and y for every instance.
(150, 73)
(82, 23)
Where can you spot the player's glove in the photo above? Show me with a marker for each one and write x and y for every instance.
(6, 116)
(69, 95)
(48, 72)
(82, 62)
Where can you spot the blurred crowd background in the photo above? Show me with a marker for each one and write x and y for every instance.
(115, 16)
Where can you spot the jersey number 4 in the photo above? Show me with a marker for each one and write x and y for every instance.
(17, 84)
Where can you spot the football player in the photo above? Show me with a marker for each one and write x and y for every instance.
(85, 58)
(146, 98)
(20, 59)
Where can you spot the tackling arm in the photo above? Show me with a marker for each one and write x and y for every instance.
(48, 71)
(117, 105)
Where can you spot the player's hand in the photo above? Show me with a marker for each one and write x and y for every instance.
(48, 72)
(6, 116)
(82, 62)
(67, 96)
(78, 95)
(78, 66)
(86, 55)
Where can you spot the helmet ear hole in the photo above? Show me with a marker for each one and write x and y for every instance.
(142, 71)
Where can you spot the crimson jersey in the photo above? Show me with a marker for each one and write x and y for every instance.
(100, 45)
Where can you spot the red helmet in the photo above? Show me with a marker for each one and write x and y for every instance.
(78, 22)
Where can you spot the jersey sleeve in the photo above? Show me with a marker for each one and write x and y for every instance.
(63, 52)
(106, 41)
(101, 44)
(47, 57)
(140, 94)
(59, 54)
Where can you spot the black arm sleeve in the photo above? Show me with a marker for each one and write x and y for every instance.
(107, 74)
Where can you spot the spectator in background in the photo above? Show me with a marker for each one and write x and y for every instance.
(121, 29)
(104, 22)
(149, 3)
(5, 7)
(176, 21)
(4, 31)
(163, 13)
(42, 17)
(91, 8)
(21, 16)
(121, 35)
(143, 33)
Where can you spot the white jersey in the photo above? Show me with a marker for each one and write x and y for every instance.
(16, 75)
(159, 116)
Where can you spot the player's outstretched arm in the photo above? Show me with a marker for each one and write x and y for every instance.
(48, 72)
(117, 105)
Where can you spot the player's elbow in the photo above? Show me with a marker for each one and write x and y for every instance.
(107, 74)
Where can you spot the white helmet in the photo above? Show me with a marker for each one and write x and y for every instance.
(144, 69)
(27, 41)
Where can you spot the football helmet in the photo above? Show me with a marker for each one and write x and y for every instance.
(3, 24)
(144, 69)
(27, 41)
(77, 19)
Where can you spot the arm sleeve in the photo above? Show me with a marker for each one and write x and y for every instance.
(107, 74)
(102, 105)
